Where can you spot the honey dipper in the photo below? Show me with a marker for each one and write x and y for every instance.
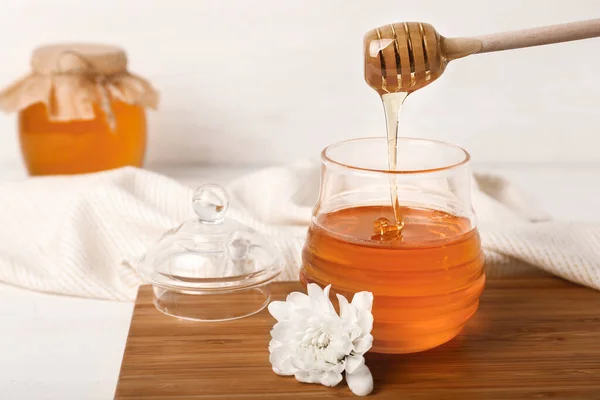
(406, 56)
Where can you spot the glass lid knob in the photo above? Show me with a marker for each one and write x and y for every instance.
(210, 203)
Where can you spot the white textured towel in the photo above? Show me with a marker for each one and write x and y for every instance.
(72, 235)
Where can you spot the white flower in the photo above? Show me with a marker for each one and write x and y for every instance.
(315, 344)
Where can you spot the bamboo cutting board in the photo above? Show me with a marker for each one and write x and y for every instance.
(531, 338)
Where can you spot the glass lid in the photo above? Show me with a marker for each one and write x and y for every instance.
(210, 253)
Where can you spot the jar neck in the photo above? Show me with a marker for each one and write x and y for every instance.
(445, 190)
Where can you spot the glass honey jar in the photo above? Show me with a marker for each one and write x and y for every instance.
(426, 277)
(80, 110)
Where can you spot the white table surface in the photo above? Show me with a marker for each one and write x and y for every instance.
(62, 348)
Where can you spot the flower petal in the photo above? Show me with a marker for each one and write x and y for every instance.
(345, 311)
(355, 332)
(353, 362)
(273, 344)
(309, 377)
(302, 376)
(279, 310)
(363, 301)
(363, 344)
(299, 300)
(287, 371)
(342, 345)
(330, 355)
(365, 322)
(304, 360)
(326, 290)
(280, 360)
(320, 298)
(360, 381)
(339, 367)
(282, 332)
(317, 297)
(328, 303)
(331, 378)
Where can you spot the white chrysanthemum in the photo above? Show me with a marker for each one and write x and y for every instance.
(315, 344)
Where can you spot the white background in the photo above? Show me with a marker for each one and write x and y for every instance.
(260, 82)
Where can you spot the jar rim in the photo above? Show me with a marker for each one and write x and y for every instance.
(327, 159)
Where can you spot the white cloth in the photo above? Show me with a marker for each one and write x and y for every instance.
(74, 235)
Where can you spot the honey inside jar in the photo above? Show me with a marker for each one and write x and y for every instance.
(426, 284)
(81, 146)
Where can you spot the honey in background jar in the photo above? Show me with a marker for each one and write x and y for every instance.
(80, 110)
(80, 146)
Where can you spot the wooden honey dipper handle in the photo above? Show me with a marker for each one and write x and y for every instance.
(460, 47)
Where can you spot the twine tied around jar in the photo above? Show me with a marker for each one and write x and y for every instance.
(100, 80)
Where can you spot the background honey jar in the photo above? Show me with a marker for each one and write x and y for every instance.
(80, 110)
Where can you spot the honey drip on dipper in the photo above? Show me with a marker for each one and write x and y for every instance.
(401, 58)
